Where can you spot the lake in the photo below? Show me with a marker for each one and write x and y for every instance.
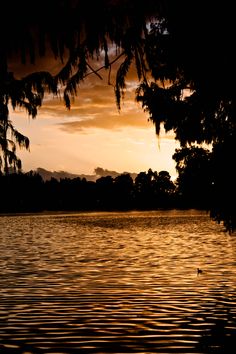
(122, 282)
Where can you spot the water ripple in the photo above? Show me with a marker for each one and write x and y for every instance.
(116, 283)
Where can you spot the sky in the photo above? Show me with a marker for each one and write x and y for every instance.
(93, 133)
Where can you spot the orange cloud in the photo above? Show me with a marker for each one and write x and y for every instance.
(94, 106)
(105, 120)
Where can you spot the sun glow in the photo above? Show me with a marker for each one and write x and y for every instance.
(94, 133)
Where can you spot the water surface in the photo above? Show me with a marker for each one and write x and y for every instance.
(117, 283)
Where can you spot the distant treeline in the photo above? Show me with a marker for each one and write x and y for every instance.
(28, 192)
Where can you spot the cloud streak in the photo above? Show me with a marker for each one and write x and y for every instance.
(106, 120)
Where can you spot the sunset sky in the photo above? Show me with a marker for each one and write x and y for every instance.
(94, 134)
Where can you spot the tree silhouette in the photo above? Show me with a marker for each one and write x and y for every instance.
(8, 146)
(105, 193)
(224, 189)
(124, 191)
(28, 192)
(143, 190)
(26, 93)
(195, 177)
(164, 189)
(183, 53)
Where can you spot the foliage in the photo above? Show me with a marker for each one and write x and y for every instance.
(182, 50)
(26, 93)
(27, 192)
(8, 146)
(196, 187)
(195, 176)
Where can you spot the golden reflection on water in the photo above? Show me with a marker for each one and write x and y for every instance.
(116, 283)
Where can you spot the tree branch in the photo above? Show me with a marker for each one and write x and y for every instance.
(103, 67)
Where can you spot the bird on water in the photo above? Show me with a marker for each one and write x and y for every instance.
(199, 271)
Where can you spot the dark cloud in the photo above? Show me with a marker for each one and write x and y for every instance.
(101, 172)
(98, 172)
(47, 175)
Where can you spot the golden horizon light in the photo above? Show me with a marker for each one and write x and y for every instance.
(93, 133)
